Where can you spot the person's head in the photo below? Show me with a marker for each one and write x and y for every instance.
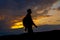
(29, 11)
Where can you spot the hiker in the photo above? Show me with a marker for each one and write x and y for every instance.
(28, 22)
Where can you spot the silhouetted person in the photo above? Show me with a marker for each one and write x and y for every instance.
(27, 22)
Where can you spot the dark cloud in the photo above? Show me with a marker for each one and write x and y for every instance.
(14, 8)
(3, 25)
(18, 7)
(58, 8)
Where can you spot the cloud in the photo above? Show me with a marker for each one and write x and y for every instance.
(58, 20)
(56, 5)
(15, 7)
(58, 8)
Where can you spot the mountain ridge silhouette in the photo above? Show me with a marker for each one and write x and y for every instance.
(27, 36)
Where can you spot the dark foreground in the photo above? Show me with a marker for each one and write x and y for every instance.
(34, 36)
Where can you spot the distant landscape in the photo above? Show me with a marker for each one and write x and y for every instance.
(28, 36)
(42, 28)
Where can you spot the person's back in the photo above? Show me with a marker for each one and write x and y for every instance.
(27, 20)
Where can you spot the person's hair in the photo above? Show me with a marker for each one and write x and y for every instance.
(29, 11)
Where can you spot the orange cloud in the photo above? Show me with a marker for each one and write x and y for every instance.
(18, 24)
(2, 17)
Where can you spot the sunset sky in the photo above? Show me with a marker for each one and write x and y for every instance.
(12, 12)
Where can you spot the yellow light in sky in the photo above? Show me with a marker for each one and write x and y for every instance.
(17, 25)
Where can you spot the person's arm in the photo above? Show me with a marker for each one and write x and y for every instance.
(34, 24)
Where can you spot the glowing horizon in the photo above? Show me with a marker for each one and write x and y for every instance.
(18, 24)
(41, 20)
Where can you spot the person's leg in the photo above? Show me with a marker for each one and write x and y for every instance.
(30, 30)
(25, 29)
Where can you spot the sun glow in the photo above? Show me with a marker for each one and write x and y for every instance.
(19, 24)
